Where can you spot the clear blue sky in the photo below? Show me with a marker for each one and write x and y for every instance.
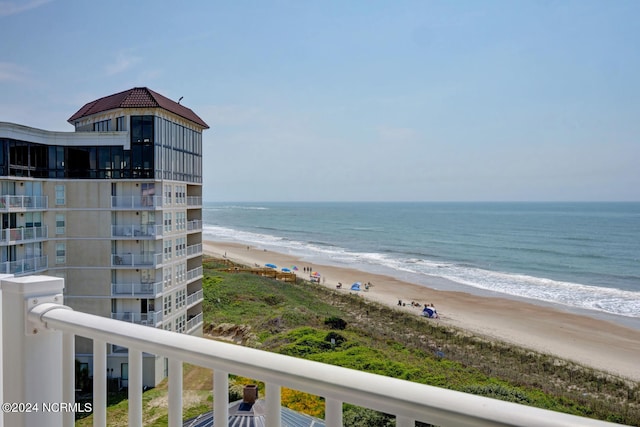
(356, 100)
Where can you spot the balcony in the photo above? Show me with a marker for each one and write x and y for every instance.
(144, 260)
(136, 202)
(23, 235)
(194, 225)
(136, 231)
(136, 290)
(194, 274)
(193, 201)
(11, 203)
(38, 361)
(194, 323)
(194, 250)
(194, 298)
(147, 319)
(25, 266)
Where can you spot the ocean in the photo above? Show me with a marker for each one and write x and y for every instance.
(581, 257)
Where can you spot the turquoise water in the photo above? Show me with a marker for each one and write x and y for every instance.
(583, 256)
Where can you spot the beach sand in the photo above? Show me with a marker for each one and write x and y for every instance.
(594, 343)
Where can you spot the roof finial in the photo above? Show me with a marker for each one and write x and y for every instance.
(180, 99)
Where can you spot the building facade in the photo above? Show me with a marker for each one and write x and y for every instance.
(114, 208)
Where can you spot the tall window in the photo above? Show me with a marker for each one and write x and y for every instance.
(61, 198)
(167, 305)
(167, 249)
(60, 224)
(61, 253)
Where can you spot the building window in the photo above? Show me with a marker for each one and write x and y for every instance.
(168, 273)
(167, 305)
(102, 126)
(61, 253)
(120, 124)
(181, 298)
(181, 323)
(167, 222)
(124, 371)
(167, 195)
(60, 225)
(167, 249)
(142, 129)
(61, 198)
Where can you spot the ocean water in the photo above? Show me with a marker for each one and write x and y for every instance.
(583, 257)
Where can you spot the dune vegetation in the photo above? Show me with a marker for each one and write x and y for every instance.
(337, 327)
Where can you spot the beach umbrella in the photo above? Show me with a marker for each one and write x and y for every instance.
(315, 274)
(294, 268)
(286, 270)
(271, 265)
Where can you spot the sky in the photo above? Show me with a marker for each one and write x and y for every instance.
(323, 100)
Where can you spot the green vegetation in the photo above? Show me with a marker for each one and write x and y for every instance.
(309, 321)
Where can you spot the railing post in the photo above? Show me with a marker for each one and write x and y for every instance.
(31, 355)
(404, 421)
(68, 375)
(99, 383)
(135, 388)
(273, 405)
(220, 398)
(333, 412)
(175, 392)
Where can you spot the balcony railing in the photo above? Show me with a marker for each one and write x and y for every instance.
(136, 231)
(194, 274)
(194, 298)
(194, 225)
(10, 235)
(136, 260)
(24, 266)
(194, 201)
(136, 202)
(137, 290)
(148, 319)
(193, 322)
(38, 336)
(10, 203)
(194, 250)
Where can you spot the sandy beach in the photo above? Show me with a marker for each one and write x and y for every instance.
(594, 343)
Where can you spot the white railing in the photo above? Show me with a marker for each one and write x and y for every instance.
(10, 202)
(194, 201)
(120, 290)
(24, 233)
(194, 274)
(136, 230)
(136, 202)
(24, 266)
(194, 225)
(148, 319)
(194, 321)
(194, 249)
(136, 260)
(194, 298)
(38, 335)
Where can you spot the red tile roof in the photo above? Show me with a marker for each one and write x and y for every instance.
(138, 97)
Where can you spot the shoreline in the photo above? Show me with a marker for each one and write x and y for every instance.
(595, 343)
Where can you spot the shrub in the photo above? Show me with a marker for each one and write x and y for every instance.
(335, 323)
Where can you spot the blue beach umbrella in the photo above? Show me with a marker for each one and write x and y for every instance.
(271, 265)
(286, 270)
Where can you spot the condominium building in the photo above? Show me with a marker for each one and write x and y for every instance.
(114, 208)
